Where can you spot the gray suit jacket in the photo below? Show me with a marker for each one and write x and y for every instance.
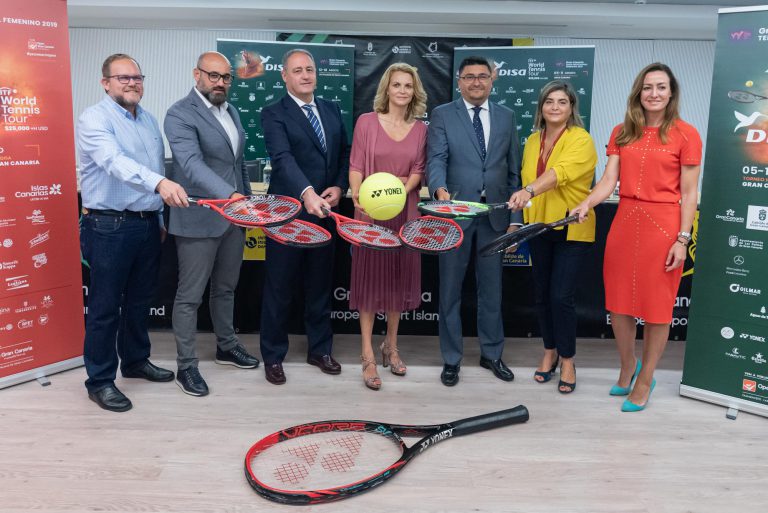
(454, 160)
(204, 164)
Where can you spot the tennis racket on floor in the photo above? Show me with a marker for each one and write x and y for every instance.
(259, 210)
(454, 209)
(745, 96)
(508, 240)
(360, 233)
(336, 459)
(298, 233)
(430, 234)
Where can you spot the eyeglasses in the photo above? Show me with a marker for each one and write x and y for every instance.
(214, 77)
(126, 79)
(471, 78)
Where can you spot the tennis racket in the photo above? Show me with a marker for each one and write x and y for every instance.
(745, 96)
(298, 233)
(524, 234)
(360, 233)
(430, 234)
(454, 209)
(336, 459)
(260, 210)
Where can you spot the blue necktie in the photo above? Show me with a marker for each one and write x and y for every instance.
(315, 125)
(479, 130)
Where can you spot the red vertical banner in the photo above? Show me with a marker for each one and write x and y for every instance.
(41, 302)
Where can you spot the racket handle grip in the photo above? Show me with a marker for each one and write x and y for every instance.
(515, 415)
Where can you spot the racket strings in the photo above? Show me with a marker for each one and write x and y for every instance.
(431, 234)
(261, 209)
(299, 232)
(369, 234)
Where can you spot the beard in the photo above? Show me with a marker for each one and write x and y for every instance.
(216, 96)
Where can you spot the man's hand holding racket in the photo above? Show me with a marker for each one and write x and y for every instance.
(315, 204)
(172, 193)
(442, 194)
(332, 195)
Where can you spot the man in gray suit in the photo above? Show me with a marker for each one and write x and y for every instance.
(207, 141)
(473, 155)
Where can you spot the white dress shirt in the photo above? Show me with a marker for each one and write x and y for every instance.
(222, 116)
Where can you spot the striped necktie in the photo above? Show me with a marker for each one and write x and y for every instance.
(315, 125)
(478, 126)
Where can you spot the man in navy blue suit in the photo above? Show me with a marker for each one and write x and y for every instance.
(307, 142)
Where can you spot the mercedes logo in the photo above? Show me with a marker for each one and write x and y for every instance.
(738, 260)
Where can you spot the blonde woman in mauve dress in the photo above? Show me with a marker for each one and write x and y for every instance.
(390, 139)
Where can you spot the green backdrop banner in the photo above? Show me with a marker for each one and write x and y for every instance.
(258, 83)
(725, 360)
(521, 72)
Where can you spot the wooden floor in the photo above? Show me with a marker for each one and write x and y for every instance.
(578, 453)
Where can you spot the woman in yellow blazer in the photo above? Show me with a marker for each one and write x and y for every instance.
(557, 174)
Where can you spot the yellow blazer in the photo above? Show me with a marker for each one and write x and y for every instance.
(573, 159)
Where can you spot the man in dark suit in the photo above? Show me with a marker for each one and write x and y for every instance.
(307, 142)
(207, 142)
(473, 155)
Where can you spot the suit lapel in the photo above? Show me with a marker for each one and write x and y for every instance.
(208, 116)
(496, 128)
(463, 115)
(327, 117)
(298, 116)
(239, 127)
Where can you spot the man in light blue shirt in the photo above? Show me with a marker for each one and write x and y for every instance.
(123, 189)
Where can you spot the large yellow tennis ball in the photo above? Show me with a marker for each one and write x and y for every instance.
(382, 195)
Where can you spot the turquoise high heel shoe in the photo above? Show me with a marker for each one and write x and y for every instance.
(630, 406)
(617, 390)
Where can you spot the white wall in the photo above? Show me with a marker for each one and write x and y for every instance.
(167, 58)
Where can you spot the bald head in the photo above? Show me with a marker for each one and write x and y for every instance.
(213, 77)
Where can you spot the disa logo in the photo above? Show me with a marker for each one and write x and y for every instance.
(501, 72)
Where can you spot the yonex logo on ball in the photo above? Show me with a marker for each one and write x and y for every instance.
(392, 191)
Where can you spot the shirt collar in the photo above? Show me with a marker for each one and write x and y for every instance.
(223, 107)
(120, 109)
(469, 106)
(301, 103)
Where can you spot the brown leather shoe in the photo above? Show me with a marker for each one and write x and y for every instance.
(274, 373)
(326, 363)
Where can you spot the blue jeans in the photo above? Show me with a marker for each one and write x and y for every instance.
(557, 263)
(124, 258)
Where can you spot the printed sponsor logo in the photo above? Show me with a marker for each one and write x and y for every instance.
(8, 222)
(747, 291)
(40, 238)
(24, 324)
(42, 320)
(740, 35)
(17, 109)
(6, 327)
(734, 353)
(40, 192)
(17, 282)
(751, 337)
(759, 315)
(762, 34)
(4, 310)
(8, 265)
(735, 241)
(727, 333)
(758, 358)
(39, 260)
(47, 301)
(432, 440)
(25, 307)
(729, 217)
(500, 71)
(402, 49)
(757, 218)
(7, 243)
(749, 385)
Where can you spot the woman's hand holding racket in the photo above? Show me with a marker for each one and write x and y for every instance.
(582, 211)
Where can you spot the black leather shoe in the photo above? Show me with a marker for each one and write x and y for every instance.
(191, 382)
(326, 363)
(274, 373)
(110, 398)
(450, 375)
(150, 372)
(238, 357)
(500, 370)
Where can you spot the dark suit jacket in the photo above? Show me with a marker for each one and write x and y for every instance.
(297, 157)
(454, 160)
(204, 164)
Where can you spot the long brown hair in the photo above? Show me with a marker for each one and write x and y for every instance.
(418, 106)
(539, 123)
(634, 119)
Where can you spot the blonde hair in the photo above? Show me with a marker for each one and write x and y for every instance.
(418, 106)
(634, 119)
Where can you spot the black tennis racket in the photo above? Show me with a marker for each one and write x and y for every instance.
(430, 234)
(336, 459)
(454, 209)
(360, 233)
(509, 240)
(259, 210)
(745, 96)
(298, 233)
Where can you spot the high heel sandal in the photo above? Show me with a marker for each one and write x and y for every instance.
(374, 382)
(398, 369)
(546, 375)
(617, 390)
(569, 387)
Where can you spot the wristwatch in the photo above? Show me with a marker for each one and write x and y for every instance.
(529, 189)
(684, 235)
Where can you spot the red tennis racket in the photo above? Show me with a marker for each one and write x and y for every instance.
(430, 234)
(336, 459)
(298, 233)
(360, 233)
(259, 210)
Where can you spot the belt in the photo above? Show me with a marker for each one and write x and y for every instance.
(120, 213)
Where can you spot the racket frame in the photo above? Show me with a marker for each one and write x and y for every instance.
(442, 220)
(431, 435)
(521, 235)
(341, 220)
(273, 233)
(218, 205)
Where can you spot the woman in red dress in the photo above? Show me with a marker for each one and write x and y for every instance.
(390, 139)
(657, 157)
